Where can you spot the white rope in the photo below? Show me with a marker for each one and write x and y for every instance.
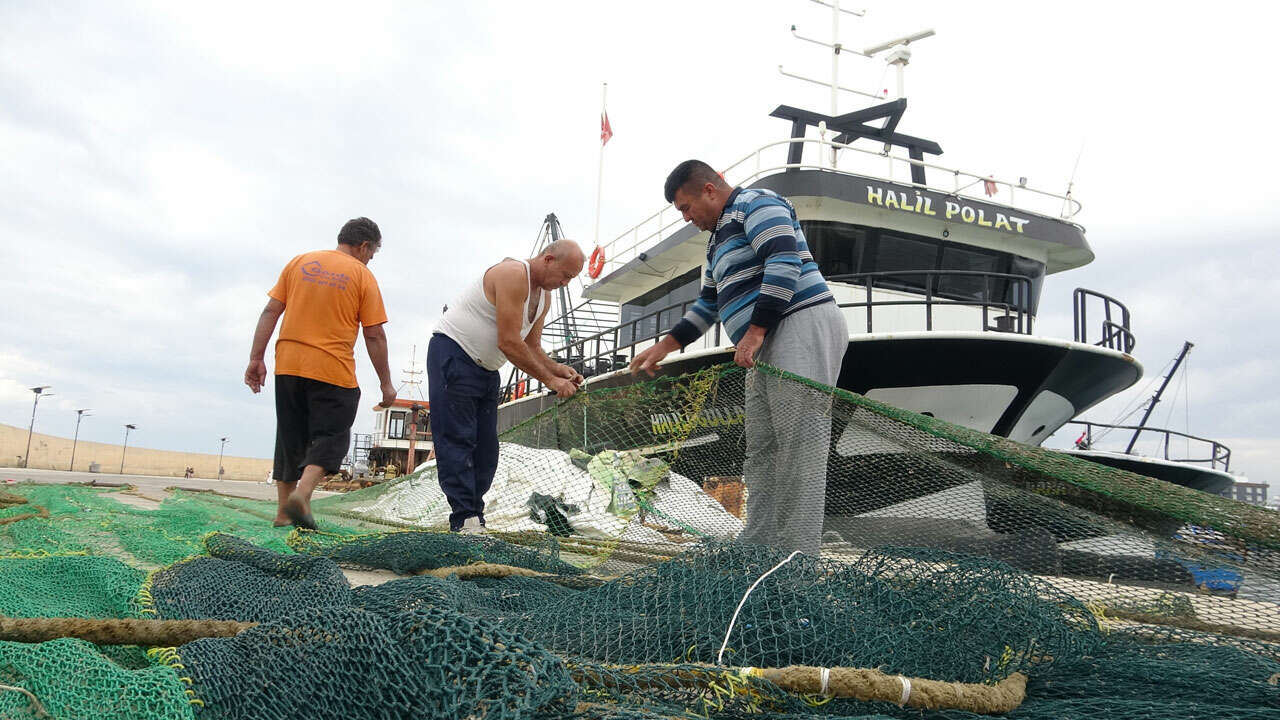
(906, 690)
(826, 679)
(743, 601)
(40, 712)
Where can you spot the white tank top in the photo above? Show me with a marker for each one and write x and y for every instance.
(472, 321)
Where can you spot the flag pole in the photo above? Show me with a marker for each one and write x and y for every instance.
(604, 91)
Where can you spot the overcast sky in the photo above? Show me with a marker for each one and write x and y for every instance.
(160, 162)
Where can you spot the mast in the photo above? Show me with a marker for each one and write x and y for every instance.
(899, 58)
(549, 233)
(411, 381)
(562, 292)
(1186, 348)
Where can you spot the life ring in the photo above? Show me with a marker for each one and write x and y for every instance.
(596, 264)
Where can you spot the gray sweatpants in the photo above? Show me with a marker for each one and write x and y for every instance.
(789, 430)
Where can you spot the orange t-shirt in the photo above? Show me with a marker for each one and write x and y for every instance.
(327, 295)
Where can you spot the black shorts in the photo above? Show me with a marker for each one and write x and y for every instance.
(313, 425)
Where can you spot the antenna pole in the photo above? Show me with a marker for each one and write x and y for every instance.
(1186, 348)
(835, 53)
(835, 67)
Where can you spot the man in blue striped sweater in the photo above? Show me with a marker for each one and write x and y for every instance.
(761, 282)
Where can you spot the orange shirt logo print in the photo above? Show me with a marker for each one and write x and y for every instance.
(314, 272)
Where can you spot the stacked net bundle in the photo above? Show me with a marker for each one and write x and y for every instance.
(407, 648)
(671, 639)
(242, 581)
(336, 663)
(407, 551)
(644, 477)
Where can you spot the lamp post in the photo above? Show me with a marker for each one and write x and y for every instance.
(79, 415)
(26, 459)
(124, 449)
(220, 449)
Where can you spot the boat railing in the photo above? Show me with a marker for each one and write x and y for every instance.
(588, 316)
(1115, 331)
(613, 349)
(601, 352)
(754, 165)
(1218, 454)
(389, 434)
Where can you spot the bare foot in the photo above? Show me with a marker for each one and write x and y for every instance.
(281, 519)
(299, 511)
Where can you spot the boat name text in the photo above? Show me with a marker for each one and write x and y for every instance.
(951, 210)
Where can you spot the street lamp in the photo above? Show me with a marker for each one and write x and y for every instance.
(26, 459)
(220, 449)
(127, 428)
(79, 414)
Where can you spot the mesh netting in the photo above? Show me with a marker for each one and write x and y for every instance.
(267, 584)
(430, 663)
(639, 564)
(73, 679)
(406, 552)
(82, 519)
(74, 586)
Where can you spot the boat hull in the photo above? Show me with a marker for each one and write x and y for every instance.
(1196, 477)
(1016, 386)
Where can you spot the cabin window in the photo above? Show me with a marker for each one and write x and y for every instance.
(970, 288)
(395, 429)
(837, 247)
(897, 252)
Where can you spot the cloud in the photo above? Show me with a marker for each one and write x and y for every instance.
(162, 162)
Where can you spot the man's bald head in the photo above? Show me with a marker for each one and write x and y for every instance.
(565, 250)
(557, 264)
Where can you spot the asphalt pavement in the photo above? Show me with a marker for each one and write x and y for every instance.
(148, 484)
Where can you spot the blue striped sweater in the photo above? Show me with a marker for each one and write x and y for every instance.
(758, 271)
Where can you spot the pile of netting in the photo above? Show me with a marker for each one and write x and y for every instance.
(957, 575)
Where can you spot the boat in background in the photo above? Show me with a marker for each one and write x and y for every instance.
(938, 270)
(1207, 468)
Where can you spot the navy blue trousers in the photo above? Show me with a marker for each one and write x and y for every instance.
(464, 427)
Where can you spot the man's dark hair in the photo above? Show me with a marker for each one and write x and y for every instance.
(358, 231)
(690, 171)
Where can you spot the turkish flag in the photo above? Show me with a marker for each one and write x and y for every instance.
(606, 132)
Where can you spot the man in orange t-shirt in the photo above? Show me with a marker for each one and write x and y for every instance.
(325, 297)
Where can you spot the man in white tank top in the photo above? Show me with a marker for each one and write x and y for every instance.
(497, 319)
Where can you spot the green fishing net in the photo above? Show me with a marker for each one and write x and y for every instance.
(407, 551)
(73, 679)
(623, 577)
